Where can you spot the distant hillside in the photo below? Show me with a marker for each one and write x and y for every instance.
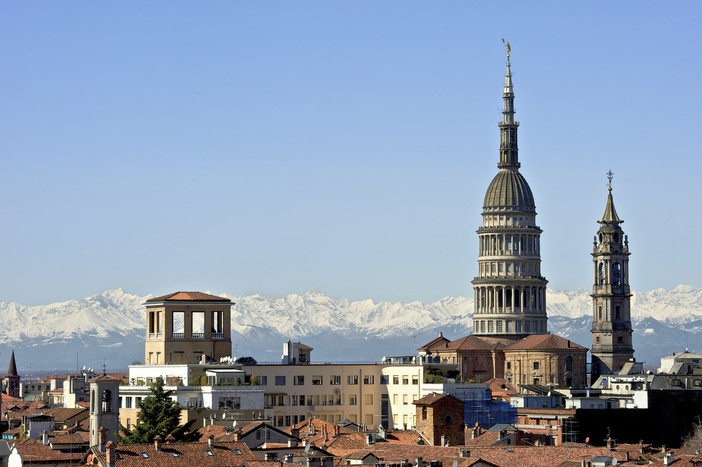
(109, 327)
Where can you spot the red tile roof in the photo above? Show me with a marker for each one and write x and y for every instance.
(33, 450)
(504, 456)
(433, 398)
(188, 296)
(440, 342)
(544, 342)
(179, 454)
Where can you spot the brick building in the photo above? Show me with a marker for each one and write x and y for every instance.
(440, 419)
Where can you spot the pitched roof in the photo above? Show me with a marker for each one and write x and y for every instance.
(440, 341)
(33, 450)
(12, 370)
(472, 342)
(433, 398)
(544, 342)
(179, 454)
(512, 456)
(188, 296)
(63, 414)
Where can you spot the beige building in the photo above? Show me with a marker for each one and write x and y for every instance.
(187, 327)
(367, 394)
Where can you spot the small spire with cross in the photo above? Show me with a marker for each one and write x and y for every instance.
(610, 175)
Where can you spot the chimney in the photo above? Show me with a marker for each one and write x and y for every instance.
(210, 440)
(641, 448)
(269, 456)
(289, 458)
(102, 438)
(292, 442)
(110, 454)
(465, 453)
(420, 462)
(369, 439)
(295, 432)
(237, 435)
(170, 439)
(45, 438)
(444, 440)
(610, 442)
(626, 455)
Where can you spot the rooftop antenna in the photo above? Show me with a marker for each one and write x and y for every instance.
(104, 367)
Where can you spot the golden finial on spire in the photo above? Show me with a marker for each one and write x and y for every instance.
(509, 49)
(610, 175)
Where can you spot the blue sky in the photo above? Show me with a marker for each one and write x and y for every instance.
(271, 147)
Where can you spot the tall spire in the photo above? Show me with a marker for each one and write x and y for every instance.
(610, 215)
(508, 127)
(12, 370)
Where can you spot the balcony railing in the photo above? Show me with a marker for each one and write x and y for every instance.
(178, 335)
(217, 335)
(198, 335)
(154, 335)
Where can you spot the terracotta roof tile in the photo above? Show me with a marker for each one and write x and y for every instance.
(433, 398)
(440, 341)
(544, 342)
(188, 296)
(504, 456)
(33, 450)
(179, 454)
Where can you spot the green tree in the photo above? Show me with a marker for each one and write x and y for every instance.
(158, 415)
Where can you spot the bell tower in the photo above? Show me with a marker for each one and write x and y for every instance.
(611, 322)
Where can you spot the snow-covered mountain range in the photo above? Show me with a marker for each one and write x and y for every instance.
(109, 327)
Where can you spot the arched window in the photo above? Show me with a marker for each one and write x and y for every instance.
(600, 274)
(569, 363)
(616, 274)
(107, 401)
(448, 420)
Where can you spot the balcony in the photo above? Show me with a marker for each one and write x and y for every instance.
(155, 335)
(216, 335)
(198, 335)
(178, 335)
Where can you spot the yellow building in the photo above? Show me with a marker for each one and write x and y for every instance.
(367, 394)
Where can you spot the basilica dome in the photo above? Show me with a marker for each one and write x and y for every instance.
(509, 191)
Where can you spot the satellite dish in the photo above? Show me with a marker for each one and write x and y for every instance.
(615, 461)
(234, 424)
(455, 464)
(307, 448)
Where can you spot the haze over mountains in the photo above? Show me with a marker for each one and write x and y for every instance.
(109, 327)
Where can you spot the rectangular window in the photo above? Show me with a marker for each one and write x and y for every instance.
(368, 419)
(482, 326)
(353, 399)
(287, 420)
(369, 379)
(384, 379)
(509, 365)
(335, 380)
(618, 312)
(518, 326)
(293, 400)
(395, 419)
(298, 380)
(302, 400)
(491, 326)
(369, 399)
(127, 402)
(229, 403)
(536, 365)
(395, 379)
(404, 419)
(404, 399)
(527, 328)
(352, 379)
(405, 379)
(263, 380)
(499, 326)
(394, 399)
(280, 380)
(508, 326)
(415, 379)
(317, 380)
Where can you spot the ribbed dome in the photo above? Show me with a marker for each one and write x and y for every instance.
(509, 191)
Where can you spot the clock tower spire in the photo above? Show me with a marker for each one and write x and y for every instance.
(611, 323)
